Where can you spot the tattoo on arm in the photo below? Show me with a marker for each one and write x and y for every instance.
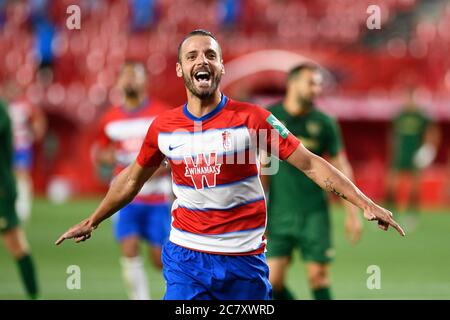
(329, 187)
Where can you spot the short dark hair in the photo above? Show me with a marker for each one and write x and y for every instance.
(197, 32)
(295, 71)
(134, 64)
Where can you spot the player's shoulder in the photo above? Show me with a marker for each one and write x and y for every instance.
(423, 115)
(323, 116)
(247, 108)
(276, 108)
(170, 113)
(241, 105)
(250, 114)
(111, 113)
(168, 117)
(157, 103)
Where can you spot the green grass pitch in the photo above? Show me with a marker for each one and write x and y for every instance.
(414, 267)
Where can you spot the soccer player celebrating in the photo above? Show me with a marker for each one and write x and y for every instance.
(216, 247)
(122, 131)
(298, 213)
(10, 230)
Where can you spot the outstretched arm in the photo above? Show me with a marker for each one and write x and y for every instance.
(353, 226)
(331, 179)
(122, 191)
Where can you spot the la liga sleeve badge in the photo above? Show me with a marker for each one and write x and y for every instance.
(278, 126)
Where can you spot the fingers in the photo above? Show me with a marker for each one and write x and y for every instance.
(397, 227)
(383, 225)
(78, 235)
(389, 221)
(384, 220)
(65, 236)
(60, 239)
(82, 238)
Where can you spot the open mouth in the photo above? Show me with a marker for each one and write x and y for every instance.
(203, 78)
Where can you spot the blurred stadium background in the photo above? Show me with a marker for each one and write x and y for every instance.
(70, 75)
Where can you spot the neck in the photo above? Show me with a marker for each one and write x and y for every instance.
(133, 103)
(294, 106)
(199, 107)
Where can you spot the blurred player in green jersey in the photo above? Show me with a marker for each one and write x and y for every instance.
(12, 234)
(298, 210)
(414, 144)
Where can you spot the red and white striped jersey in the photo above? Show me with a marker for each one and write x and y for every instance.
(220, 205)
(125, 131)
(21, 113)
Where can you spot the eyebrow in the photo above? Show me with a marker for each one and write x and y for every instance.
(207, 51)
(211, 50)
(192, 51)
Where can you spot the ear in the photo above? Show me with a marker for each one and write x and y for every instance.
(179, 70)
(223, 67)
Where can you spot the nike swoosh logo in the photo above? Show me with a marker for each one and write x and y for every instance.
(171, 148)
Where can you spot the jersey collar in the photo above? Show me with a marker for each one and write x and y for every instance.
(134, 111)
(209, 115)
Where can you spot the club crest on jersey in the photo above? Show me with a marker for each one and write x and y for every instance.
(313, 128)
(202, 170)
(226, 140)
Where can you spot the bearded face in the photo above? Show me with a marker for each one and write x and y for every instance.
(200, 66)
(131, 92)
(202, 82)
(308, 86)
(132, 81)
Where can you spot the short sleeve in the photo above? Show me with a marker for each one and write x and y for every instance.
(334, 138)
(273, 136)
(150, 155)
